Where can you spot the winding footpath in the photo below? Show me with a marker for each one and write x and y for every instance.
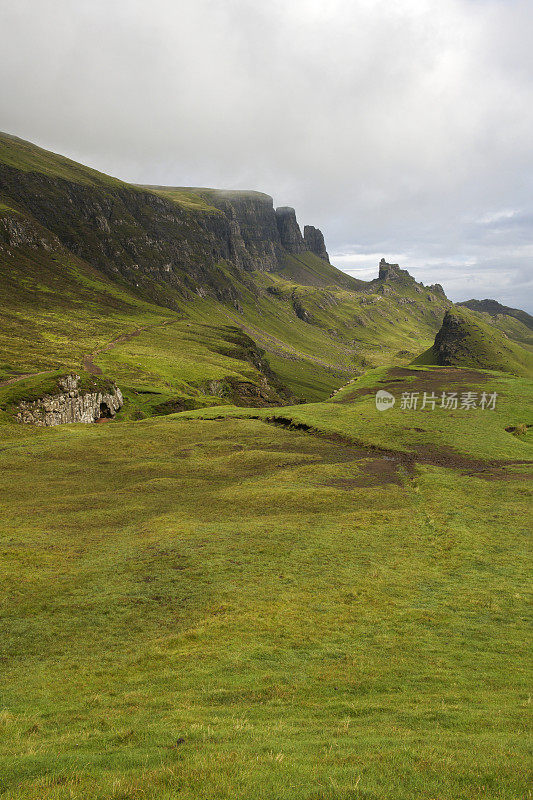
(88, 361)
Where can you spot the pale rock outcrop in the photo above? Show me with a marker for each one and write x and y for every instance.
(71, 405)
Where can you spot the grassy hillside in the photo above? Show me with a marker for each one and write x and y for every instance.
(465, 341)
(28, 157)
(432, 433)
(515, 324)
(256, 597)
(235, 609)
(164, 343)
(495, 309)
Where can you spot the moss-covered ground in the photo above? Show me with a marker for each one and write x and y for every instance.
(228, 609)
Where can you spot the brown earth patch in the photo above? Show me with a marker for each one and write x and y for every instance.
(381, 463)
(374, 472)
(378, 467)
(436, 380)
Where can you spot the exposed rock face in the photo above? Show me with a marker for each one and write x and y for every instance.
(314, 241)
(72, 405)
(254, 241)
(450, 339)
(148, 240)
(153, 243)
(391, 277)
(19, 230)
(389, 272)
(436, 288)
(289, 230)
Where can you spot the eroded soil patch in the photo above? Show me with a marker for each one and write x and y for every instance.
(403, 379)
(391, 466)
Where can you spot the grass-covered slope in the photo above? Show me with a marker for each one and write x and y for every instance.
(315, 601)
(495, 309)
(27, 157)
(429, 429)
(466, 341)
(58, 313)
(234, 609)
(517, 325)
(307, 269)
(162, 250)
(90, 268)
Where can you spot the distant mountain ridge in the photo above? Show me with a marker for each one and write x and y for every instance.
(493, 307)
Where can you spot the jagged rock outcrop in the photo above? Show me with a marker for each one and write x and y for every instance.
(466, 341)
(314, 240)
(289, 230)
(73, 404)
(392, 278)
(388, 272)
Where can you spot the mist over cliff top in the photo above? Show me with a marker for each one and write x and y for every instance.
(398, 129)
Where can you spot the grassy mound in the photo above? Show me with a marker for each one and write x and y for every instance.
(465, 341)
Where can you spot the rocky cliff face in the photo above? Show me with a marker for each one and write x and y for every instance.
(314, 241)
(163, 248)
(254, 240)
(72, 405)
(147, 240)
(20, 230)
(289, 231)
(390, 272)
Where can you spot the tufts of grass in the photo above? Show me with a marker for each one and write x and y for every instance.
(194, 609)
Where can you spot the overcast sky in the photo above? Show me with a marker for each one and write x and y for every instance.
(401, 128)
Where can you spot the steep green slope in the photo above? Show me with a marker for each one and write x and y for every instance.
(466, 341)
(94, 268)
(515, 324)
(307, 269)
(57, 312)
(27, 157)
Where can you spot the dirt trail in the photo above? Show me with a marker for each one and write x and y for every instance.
(87, 361)
(94, 369)
(21, 377)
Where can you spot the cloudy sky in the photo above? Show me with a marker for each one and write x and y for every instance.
(401, 128)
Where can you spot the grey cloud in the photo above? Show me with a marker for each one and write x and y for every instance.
(394, 127)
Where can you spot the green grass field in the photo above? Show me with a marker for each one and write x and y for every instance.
(280, 593)
(232, 609)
